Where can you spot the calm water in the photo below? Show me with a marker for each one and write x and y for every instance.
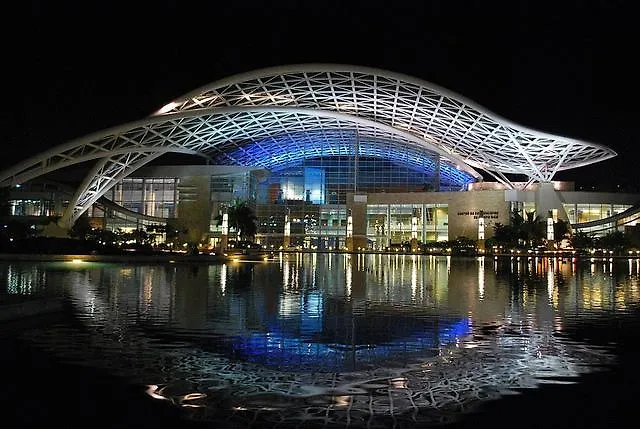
(341, 340)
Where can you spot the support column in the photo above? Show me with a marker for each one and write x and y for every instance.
(144, 196)
(356, 233)
(547, 198)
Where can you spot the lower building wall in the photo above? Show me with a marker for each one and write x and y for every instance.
(463, 209)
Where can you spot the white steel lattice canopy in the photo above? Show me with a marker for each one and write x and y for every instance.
(277, 117)
(458, 126)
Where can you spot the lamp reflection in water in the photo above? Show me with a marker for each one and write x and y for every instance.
(481, 277)
(285, 275)
(348, 274)
(223, 279)
(414, 277)
(550, 280)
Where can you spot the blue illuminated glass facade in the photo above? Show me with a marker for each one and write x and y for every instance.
(344, 156)
(327, 180)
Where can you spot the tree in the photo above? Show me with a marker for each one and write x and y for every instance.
(81, 228)
(560, 230)
(581, 240)
(528, 231)
(241, 219)
(504, 235)
(615, 240)
(532, 229)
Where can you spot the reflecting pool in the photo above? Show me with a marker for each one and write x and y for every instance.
(334, 339)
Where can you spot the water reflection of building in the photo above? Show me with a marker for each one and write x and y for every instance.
(16, 279)
(300, 310)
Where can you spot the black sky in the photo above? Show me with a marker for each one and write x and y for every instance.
(72, 68)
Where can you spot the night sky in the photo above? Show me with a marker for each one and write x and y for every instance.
(71, 69)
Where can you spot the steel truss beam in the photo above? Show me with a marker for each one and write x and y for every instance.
(453, 122)
(104, 175)
(275, 117)
(219, 132)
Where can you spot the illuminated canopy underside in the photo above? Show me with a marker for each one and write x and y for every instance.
(277, 117)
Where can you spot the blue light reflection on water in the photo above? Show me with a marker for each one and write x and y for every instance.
(289, 352)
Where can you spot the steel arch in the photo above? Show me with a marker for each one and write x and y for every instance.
(203, 132)
(456, 124)
(214, 131)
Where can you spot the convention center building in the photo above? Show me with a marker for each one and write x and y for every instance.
(327, 157)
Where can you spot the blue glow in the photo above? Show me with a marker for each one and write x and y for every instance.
(299, 353)
(285, 151)
(314, 185)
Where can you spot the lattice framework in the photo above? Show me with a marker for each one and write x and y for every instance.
(217, 132)
(459, 126)
(279, 116)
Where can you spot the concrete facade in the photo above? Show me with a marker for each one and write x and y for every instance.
(463, 207)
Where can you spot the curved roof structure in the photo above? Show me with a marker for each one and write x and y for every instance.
(440, 117)
(276, 117)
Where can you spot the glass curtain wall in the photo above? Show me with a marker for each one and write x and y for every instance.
(580, 213)
(391, 224)
(150, 196)
(328, 180)
(311, 226)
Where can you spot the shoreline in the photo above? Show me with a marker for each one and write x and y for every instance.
(217, 258)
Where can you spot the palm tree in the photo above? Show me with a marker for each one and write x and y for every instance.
(581, 240)
(241, 219)
(561, 230)
(532, 229)
(615, 240)
(505, 235)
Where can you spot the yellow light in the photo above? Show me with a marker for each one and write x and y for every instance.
(76, 261)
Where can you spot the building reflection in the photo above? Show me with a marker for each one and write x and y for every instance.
(337, 311)
(20, 279)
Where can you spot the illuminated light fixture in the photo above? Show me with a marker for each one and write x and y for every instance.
(414, 227)
(77, 261)
(167, 108)
(225, 224)
(550, 234)
(287, 226)
(481, 227)
(349, 226)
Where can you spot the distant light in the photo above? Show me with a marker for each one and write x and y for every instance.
(76, 261)
(18, 185)
(168, 107)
